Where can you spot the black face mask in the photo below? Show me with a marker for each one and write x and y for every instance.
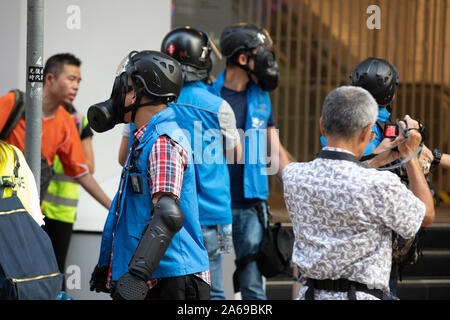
(105, 115)
(266, 68)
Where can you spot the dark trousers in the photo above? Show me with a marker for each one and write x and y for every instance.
(59, 233)
(188, 287)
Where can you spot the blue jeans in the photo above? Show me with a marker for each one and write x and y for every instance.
(210, 239)
(393, 284)
(247, 236)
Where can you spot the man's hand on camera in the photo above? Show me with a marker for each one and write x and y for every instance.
(413, 141)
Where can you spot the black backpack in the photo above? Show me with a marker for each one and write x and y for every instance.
(275, 251)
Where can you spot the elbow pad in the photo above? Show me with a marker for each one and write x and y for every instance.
(166, 221)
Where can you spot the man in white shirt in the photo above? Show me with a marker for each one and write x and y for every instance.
(343, 213)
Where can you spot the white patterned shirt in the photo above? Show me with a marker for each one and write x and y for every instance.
(343, 216)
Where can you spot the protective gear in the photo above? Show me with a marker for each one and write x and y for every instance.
(167, 220)
(192, 48)
(243, 36)
(266, 69)
(246, 37)
(157, 74)
(377, 76)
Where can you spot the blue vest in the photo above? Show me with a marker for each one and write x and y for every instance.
(256, 183)
(199, 110)
(186, 253)
(383, 116)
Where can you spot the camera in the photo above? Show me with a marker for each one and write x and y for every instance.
(391, 131)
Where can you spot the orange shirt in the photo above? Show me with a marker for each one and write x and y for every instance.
(59, 137)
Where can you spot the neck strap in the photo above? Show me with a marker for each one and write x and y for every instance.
(338, 155)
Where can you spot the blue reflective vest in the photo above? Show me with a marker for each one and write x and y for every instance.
(186, 253)
(383, 116)
(199, 110)
(256, 183)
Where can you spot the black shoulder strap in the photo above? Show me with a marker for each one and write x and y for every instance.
(17, 112)
(336, 155)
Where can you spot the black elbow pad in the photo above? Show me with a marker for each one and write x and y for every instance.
(167, 220)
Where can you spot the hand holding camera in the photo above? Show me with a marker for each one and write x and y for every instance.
(411, 134)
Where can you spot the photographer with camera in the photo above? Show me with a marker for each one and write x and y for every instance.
(381, 79)
(343, 213)
(152, 246)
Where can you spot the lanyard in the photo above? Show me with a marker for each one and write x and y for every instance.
(337, 155)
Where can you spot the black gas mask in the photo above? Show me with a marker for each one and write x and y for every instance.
(265, 68)
(105, 115)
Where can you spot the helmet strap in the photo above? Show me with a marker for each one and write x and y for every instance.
(136, 105)
(246, 67)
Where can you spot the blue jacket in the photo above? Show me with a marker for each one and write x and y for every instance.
(256, 183)
(199, 110)
(186, 253)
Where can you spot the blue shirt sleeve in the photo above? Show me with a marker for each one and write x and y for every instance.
(375, 143)
(370, 147)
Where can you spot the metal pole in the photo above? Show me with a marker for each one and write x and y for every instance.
(33, 108)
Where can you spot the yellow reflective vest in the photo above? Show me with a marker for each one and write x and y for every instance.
(61, 198)
(24, 184)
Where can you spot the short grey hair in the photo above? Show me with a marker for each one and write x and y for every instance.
(347, 110)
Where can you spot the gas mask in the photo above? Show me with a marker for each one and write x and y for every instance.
(265, 68)
(105, 115)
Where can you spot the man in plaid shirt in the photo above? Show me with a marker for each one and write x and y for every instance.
(166, 166)
(152, 245)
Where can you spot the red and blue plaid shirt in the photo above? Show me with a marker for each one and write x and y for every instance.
(166, 165)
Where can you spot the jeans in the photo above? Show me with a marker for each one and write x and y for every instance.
(210, 239)
(247, 236)
(393, 284)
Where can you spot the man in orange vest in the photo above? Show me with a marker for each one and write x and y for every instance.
(59, 136)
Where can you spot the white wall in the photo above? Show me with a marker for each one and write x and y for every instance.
(100, 33)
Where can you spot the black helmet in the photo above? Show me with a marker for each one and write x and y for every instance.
(189, 46)
(159, 74)
(243, 36)
(377, 76)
